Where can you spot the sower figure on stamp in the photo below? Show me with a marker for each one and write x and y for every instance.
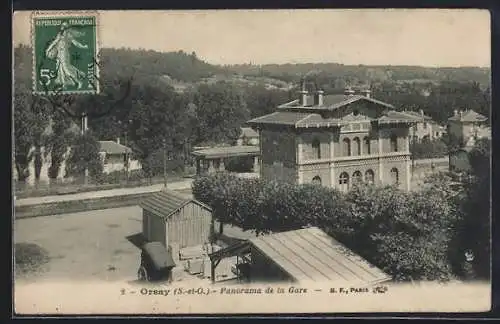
(59, 50)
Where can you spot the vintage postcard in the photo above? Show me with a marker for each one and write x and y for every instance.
(251, 161)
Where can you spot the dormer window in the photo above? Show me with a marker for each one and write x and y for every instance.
(355, 112)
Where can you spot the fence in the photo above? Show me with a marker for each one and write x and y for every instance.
(113, 180)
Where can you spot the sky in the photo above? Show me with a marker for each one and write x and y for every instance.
(440, 37)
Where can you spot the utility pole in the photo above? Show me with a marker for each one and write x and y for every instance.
(413, 147)
(84, 131)
(165, 163)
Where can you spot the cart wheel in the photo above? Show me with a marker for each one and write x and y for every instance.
(142, 274)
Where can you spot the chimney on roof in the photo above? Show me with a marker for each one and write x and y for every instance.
(461, 113)
(421, 112)
(118, 140)
(318, 98)
(303, 94)
(348, 92)
(366, 93)
(455, 112)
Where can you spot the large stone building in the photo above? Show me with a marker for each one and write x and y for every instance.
(336, 140)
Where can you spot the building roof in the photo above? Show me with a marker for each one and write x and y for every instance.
(111, 147)
(468, 116)
(393, 116)
(295, 115)
(228, 151)
(248, 132)
(417, 114)
(166, 202)
(310, 254)
(332, 102)
(308, 119)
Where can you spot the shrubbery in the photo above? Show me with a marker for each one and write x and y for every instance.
(429, 149)
(239, 164)
(407, 234)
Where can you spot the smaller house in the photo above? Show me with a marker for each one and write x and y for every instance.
(117, 157)
(248, 137)
(464, 125)
(305, 255)
(175, 220)
(425, 129)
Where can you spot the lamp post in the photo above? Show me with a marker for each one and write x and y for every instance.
(165, 163)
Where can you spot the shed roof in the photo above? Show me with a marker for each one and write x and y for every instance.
(468, 116)
(311, 255)
(228, 151)
(111, 147)
(166, 202)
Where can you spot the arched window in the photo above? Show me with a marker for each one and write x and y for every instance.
(366, 146)
(394, 176)
(346, 147)
(356, 146)
(369, 176)
(316, 180)
(316, 149)
(344, 181)
(357, 177)
(394, 143)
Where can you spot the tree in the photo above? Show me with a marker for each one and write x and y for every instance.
(84, 155)
(58, 141)
(473, 229)
(158, 116)
(221, 110)
(30, 119)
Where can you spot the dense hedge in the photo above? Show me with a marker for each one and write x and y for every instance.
(405, 234)
(429, 149)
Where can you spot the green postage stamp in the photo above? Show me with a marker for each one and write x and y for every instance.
(65, 48)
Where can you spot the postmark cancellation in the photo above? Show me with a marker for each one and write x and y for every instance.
(65, 52)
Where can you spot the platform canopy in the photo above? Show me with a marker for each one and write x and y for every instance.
(310, 255)
(227, 152)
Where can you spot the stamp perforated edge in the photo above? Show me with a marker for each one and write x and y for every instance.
(64, 13)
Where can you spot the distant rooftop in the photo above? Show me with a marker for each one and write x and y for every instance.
(111, 147)
(468, 116)
(417, 114)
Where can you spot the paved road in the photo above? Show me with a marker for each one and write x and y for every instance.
(180, 185)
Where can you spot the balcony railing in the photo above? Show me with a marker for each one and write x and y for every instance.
(354, 157)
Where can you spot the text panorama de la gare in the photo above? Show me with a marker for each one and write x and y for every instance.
(72, 21)
(237, 291)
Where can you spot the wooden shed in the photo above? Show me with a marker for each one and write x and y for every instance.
(175, 220)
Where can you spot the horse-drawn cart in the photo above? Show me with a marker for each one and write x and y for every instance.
(156, 263)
